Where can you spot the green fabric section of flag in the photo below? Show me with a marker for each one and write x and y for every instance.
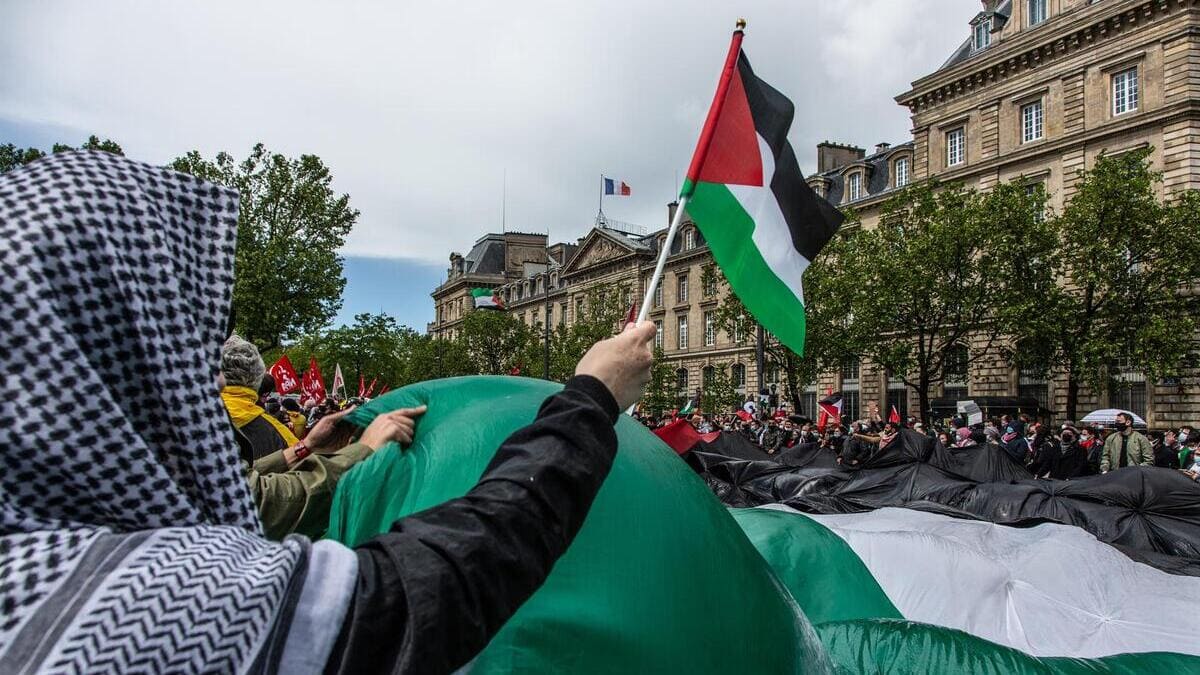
(898, 646)
(660, 579)
(795, 546)
(728, 230)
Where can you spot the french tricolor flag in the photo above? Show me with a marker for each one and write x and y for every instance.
(616, 187)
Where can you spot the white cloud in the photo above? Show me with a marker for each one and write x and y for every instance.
(420, 110)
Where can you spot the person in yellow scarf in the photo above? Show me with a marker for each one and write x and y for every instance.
(242, 368)
(296, 418)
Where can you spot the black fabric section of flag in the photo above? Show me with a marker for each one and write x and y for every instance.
(811, 220)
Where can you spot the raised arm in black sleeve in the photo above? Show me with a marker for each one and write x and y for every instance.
(434, 590)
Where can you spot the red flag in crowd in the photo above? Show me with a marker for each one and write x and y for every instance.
(362, 386)
(314, 385)
(894, 417)
(744, 415)
(286, 379)
(630, 316)
(682, 436)
(371, 388)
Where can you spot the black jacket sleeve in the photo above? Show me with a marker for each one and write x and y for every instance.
(434, 590)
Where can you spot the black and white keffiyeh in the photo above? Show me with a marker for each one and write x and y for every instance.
(128, 539)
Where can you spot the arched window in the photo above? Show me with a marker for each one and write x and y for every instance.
(710, 375)
(681, 380)
(738, 373)
(854, 186)
(900, 171)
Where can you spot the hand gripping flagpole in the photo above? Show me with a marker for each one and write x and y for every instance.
(689, 186)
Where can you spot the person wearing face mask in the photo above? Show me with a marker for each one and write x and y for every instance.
(1064, 458)
(1126, 447)
(1166, 455)
(1185, 432)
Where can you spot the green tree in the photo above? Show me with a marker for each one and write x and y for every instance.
(924, 284)
(661, 395)
(496, 343)
(826, 340)
(11, 156)
(1127, 263)
(718, 395)
(373, 346)
(604, 308)
(425, 357)
(291, 224)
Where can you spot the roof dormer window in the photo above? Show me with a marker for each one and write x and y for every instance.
(983, 33)
(854, 186)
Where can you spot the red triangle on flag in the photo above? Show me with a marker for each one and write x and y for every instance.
(732, 155)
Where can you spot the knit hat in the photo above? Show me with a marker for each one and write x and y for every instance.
(962, 434)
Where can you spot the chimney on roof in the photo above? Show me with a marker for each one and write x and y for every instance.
(671, 212)
(880, 147)
(990, 5)
(832, 156)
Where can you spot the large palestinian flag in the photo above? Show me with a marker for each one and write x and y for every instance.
(745, 192)
(901, 590)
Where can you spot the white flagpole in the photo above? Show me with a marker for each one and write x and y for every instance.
(656, 278)
(662, 259)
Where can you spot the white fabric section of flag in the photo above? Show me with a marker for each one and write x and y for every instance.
(1049, 590)
(771, 234)
(485, 301)
(339, 383)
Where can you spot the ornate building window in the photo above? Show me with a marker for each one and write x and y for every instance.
(1125, 91)
(710, 328)
(658, 294)
(1128, 388)
(689, 239)
(682, 328)
(658, 335)
(897, 395)
(854, 186)
(681, 380)
(900, 171)
(850, 372)
(956, 146)
(709, 279)
(983, 34)
(1032, 122)
(681, 289)
(1031, 384)
(955, 371)
(1037, 11)
(738, 373)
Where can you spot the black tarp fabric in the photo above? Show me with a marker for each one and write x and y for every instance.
(1150, 513)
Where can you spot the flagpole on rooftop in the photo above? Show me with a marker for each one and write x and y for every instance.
(702, 146)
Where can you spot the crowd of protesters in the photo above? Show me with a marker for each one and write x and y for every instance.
(1061, 452)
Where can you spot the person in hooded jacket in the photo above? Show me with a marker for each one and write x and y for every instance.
(148, 553)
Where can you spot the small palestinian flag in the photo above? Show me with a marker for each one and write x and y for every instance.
(486, 298)
(762, 222)
(691, 405)
(829, 409)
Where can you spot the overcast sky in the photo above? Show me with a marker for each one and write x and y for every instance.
(420, 109)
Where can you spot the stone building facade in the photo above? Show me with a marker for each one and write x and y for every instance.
(1037, 90)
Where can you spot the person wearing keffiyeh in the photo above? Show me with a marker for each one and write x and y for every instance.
(135, 545)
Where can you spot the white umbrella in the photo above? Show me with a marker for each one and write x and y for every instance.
(1107, 416)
